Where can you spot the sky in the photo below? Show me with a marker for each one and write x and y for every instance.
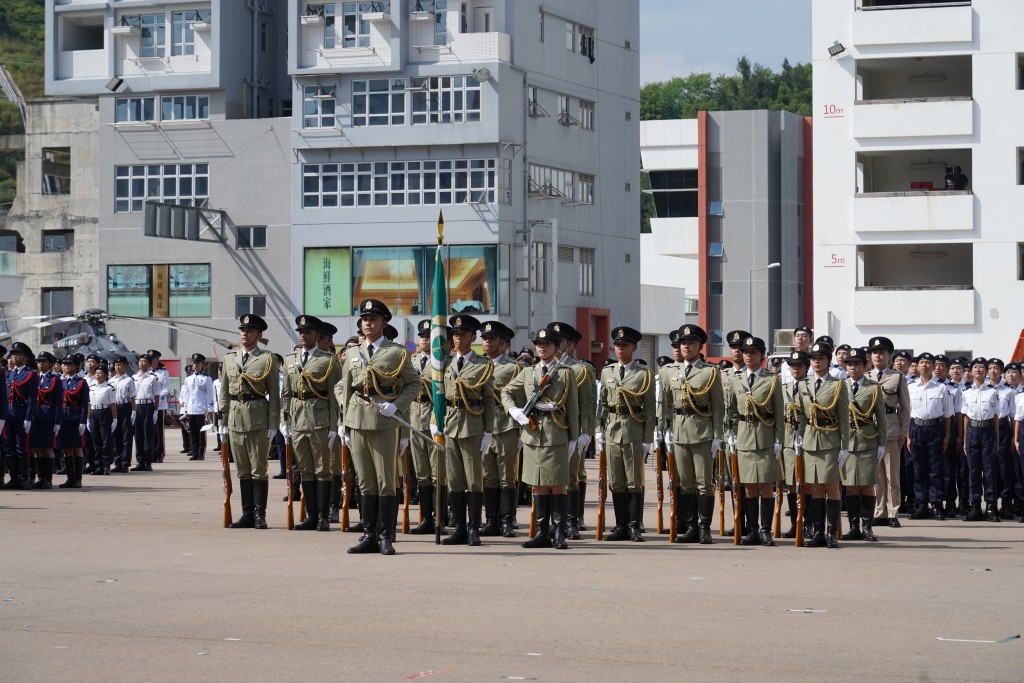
(680, 37)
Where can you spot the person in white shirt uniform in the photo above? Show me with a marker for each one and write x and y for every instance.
(980, 409)
(1004, 451)
(802, 337)
(197, 406)
(161, 407)
(147, 394)
(124, 395)
(930, 410)
(102, 419)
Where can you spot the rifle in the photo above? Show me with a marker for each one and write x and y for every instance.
(225, 465)
(737, 515)
(602, 492)
(661, 495)
(346, 485)
(721, 492)
(543, 384)
(777, 520)
(798, 486)
(672, 495)
(289, 469)
(533, 514)
(406, 491)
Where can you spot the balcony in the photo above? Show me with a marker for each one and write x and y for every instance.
(82, 64)
(465, 47)
(913, 211)
(895, 307)
(676, 237)
(912, 23)
(906, 171)
(926, 117)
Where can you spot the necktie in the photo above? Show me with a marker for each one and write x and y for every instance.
(423, 363)
(245, 358)
(686, 372)
(305, 357)
(750, 380)
(462, 361)
(817, 385)
(878, 375)
(544, 370)
(855, 387)
(369, 350)
(622, 372)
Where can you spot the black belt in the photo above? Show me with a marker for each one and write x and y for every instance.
(309, 397)
(827, 423)
(981, 424)
(423, 400)
(685, 410)
(125, 403)
(144, 402)
(1003, 421)
(925, 423)
(889, 411)
(472, 403)
(247, 397)
(614, 410)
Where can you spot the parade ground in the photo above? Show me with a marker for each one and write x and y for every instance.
(132, 578)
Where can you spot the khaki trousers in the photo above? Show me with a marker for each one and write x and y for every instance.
(887, 491)
(250, 450)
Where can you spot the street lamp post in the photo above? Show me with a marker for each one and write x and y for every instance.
(750, 293)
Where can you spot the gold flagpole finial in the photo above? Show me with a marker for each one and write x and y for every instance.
(440, 227)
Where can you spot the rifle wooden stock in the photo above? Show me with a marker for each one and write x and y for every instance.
(288, 467)
(225, 465)
(737, 507)
(406, 490)
(672, 495)
(346, 486)
(798, 486)
(602, 493)
(533, 515)
(721, 492)
(777, 519)
(661, 494)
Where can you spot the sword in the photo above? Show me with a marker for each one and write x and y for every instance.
(402, 421)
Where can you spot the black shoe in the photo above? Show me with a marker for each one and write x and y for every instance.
(621, 533)
(923, 512)
(830, 540)
(894, 522)
(312, 509)
(867, 532)
(854, 534)
(559, 519)
(282, 475)
(705, 508)
(753, 538)
(260, 491)
(789, 533)
(975, 514)
(334, 514)
(991, 513)
(369, 543)
(542, 510)
(460, 535)
(474, 504)
(388, 515)
(140, 467)
(817, 540)
(766, 538)
(193, 457)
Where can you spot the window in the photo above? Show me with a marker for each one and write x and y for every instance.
(184, 107)
(585, 189)
(255, 304)
(586, 115)
(531, 101)
(286, 108)
(56, 170)
(691, 305)
(58, 241)
(129, 289)
(546, 181)
(674, 193)
(716, 249)
(445, 99)
(570, 36)
(378, 102)
(134, 109)
(439, 8)
(402, 183)
(586, 42)
(151, 33)
(183, 33)
(186, 184)
(539, 267)
(563, 105)
(56, 301)
(587, 272)
(188, 288)
(355, 29)
(252, 237)
(715, 288)
(318, 103)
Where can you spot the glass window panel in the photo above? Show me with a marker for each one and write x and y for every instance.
(189, 290)
(128, 290)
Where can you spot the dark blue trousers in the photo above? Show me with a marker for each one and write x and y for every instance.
(1007, 461)
(926, 446)
(981, 463)
(951, 465)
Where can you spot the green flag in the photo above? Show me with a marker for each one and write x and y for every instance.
(439, 329)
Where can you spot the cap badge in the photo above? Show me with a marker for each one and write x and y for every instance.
(686, 330)
(245, 320)
(542, 334)
(487, 327)
(458, 322)
(750, 340)
(369, 305)
(302, 320)
(622, 333)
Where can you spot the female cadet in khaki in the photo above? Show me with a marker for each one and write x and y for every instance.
(249, 402)
(468, 421)
(377, 381)
(868, 430)
(627, 414)
(501, 460)
(755, 399)
(692, 417)
(824, 433)
(798, 363)
(549, 440)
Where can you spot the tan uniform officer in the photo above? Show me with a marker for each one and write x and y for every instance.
(310, 419)
(378, 381)
(249, 402)
(325, 342)
(627, 418)
(693, 418)
(825, 434)
(866, 447)
(501, 459)
(755, 400)
(897, 412)
(798, 363)
(550, 429)
(730, 369)
(424, 457)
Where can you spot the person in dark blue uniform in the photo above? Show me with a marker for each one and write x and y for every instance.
(73, 414)
(45, 419)
(22, 385)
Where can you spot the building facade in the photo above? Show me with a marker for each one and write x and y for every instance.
(919, 173)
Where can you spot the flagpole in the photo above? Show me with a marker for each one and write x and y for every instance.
(438, 352)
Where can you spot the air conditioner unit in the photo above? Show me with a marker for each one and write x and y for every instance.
(783, 338)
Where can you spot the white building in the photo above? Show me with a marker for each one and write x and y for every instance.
(902, 92)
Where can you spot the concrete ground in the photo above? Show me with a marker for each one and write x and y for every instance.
(132, 578)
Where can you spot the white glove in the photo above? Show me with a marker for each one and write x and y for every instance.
(387, 409)
(270, 432)
(732, 442)
(133, 417)
(345, 440)
(716, 445)
(669, 439)
(434, 431)
(572, 446)
(582, 442)
(798, 442)
(485, 442)
(331, 436)
(81, 429)
(881, 453)
(599, 441)
(28, 426)
(646, 447)
(519, 416)
(156, 416)
(223, 430)
(113, 424)
(286, 432)
(778, 449)
(657, 436)
(842, 458)
(403, 443)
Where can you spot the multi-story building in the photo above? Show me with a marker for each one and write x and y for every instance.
(726, 249)
(918, 173)
(519, 122)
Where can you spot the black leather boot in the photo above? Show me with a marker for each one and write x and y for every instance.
(688, 531)
(335, 510)
(492, 503)
(71, 467)
(581, 503)
(559, 519)
(867, 510)
(750, 512)
(767, 517)
(260, 491)
(427, 510)
(13, 470)
(312, 509)
(368, 543)
(248, 518)
(323, 498)
(791, 505)
(817, 521)
(636, 514)
(542, 511)
(474, 501)
(508, 512)
(44, 470)
(808, 516)
(620, 505)
(388, 516)
(834, 511)
(853, 504)
(705, 510)
(79, 465)
(992, 512)
(572, 531)
(459, 536)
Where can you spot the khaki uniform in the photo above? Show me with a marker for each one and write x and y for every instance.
(897, 413)
(501, 461)
(421, 412)
(825, 426)
(469, 393)
(758, 412)
(310, 410)
(791, 401)
(627, 413)
(250, 404)
(868, 431)
(693, 409)
(586, 387)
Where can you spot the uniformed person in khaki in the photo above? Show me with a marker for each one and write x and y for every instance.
(627, 418)
(377, 381)
(421, 412)
(325, 342)
(249, 402)
(866, 447)
(897, 412)
(825, 434)
(798, 363)
(468, 423)
(549, 434)
(501, 459)
(692, 418)
(756, 404)
(310, 418)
